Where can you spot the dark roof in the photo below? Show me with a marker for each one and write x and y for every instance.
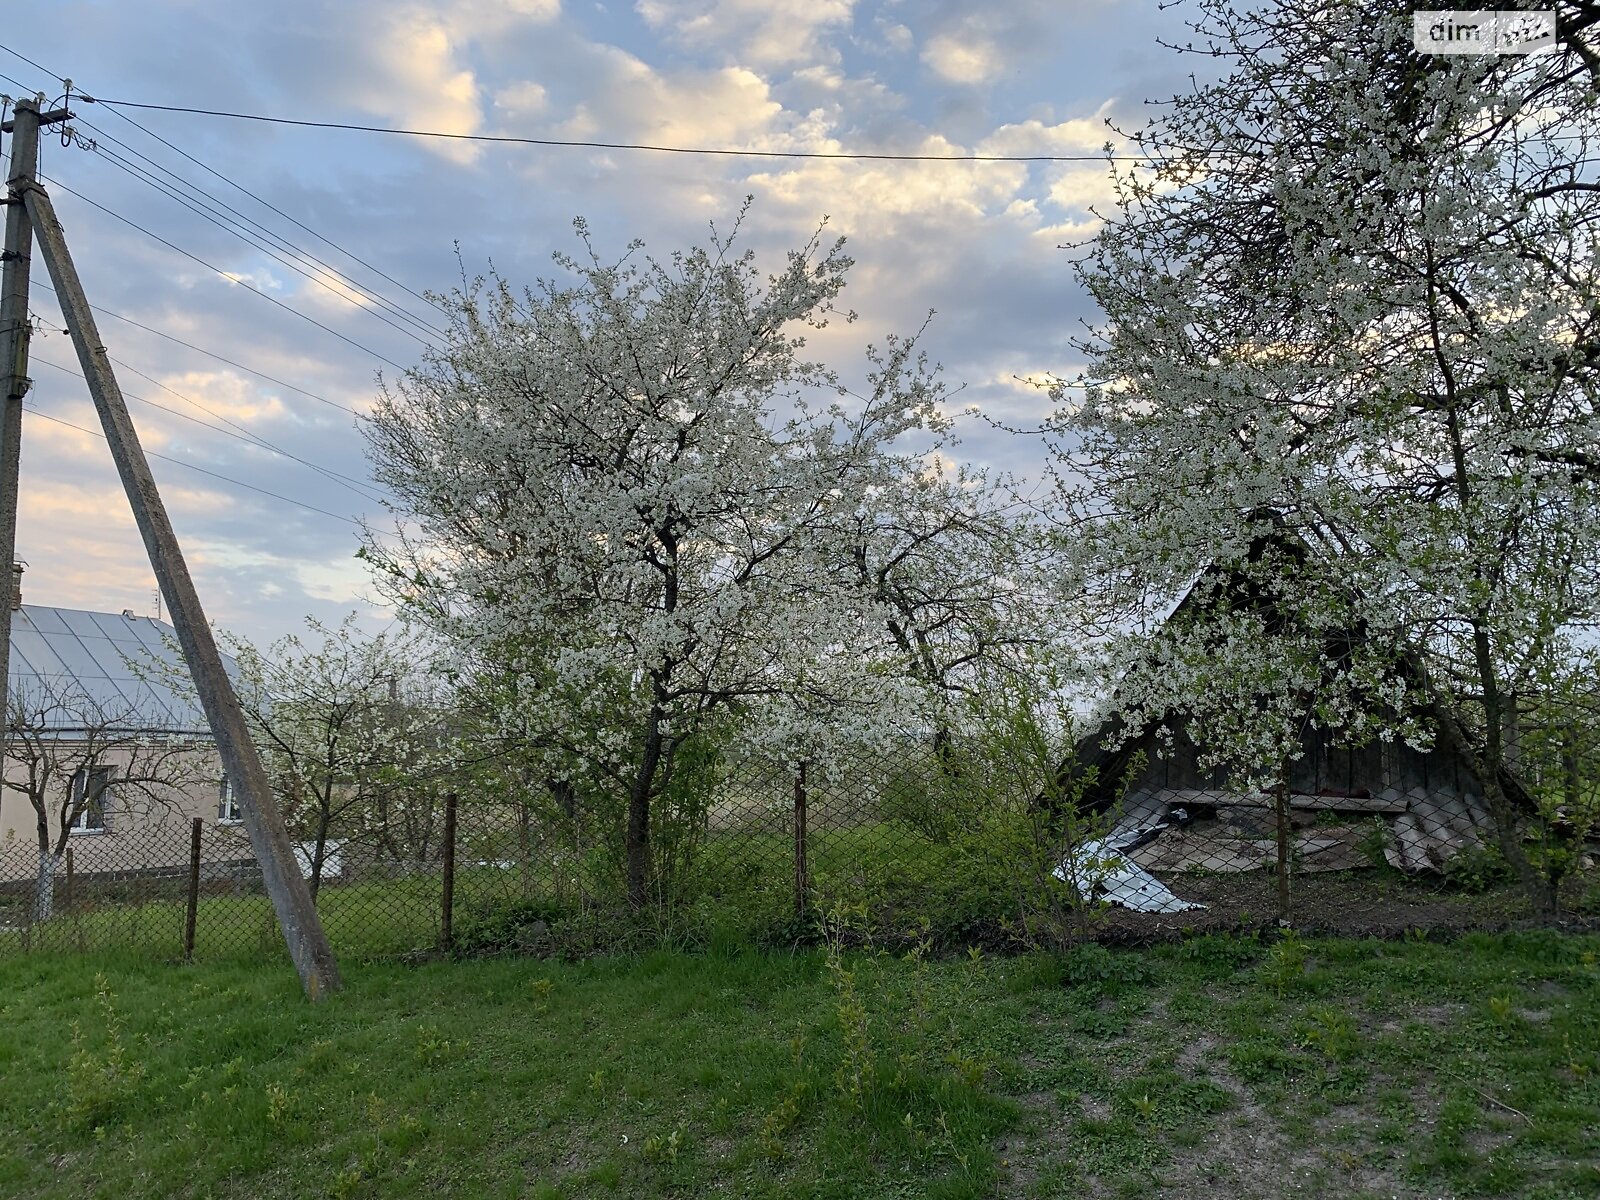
(1222, 586)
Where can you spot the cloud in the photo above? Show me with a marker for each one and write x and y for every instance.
(495, 18)
(963, 58)
(521, 101)
(761, 33)
(732, 106)
(225, 394)
(894, 37)
(414, 79)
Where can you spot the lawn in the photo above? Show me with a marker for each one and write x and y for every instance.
(1214, 1066)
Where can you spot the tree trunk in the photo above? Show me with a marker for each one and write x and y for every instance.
(318, 854)
(565, 796)
(44, 892)
(636, 844)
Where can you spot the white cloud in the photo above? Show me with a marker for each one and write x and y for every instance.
(757, 32)
(732, 106)
(492, 18)
(226, 394)
(895, 36)
(416, 81)
(963, 57)
(522, 100)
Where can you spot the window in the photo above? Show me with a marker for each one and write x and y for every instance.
(91, 796)
(227, 803)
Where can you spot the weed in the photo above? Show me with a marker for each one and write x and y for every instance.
(280, 1105)
(100, 1083)
(857, 1075)
(1284, 966)
(432, 1048)
(1330, 1031)
(347, 1182)
(776, 1125)
(663, 1149)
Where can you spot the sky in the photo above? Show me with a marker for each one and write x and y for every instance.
(978, 245)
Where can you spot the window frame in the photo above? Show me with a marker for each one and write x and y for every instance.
(89, 816)
(228, 811)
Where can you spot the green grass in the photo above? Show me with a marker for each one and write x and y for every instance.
(1215, 1066)
(663, 1074)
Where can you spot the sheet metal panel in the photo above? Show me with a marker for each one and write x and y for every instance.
(87, 658)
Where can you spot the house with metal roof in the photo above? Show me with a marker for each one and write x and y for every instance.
(108, 756)
(126, 666)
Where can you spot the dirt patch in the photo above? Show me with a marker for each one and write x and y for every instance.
(1249, 1156)
(1434, 1016)
(1351, 904)
(1245, 1152)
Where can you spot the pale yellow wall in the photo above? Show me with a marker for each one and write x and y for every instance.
(141, 832)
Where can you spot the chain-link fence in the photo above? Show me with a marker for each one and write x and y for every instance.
(911, 845)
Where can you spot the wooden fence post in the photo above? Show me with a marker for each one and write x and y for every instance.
(194, 891)
(802, 872)
(447, 899)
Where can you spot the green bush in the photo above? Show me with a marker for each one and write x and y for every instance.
(1477, 869)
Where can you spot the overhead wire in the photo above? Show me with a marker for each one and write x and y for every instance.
(342, 277)
(568, 143)
(189, 254)
(247, 436)
(239, 366)
(261, 200)
(200, 209)
(207, 200)
(155, 237)
(178, 462)
(270, 207)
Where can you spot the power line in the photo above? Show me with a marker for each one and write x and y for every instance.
(711, 151)
(269, 206)
(178, 462)
(509, 140)
(273, 379)
(265, 203)
(218, 270)
(246, 436)
(207, 200)
(200, 209)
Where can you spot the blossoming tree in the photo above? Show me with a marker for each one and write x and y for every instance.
(1353, 299)
(634, 496)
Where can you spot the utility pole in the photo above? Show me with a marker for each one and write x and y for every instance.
(14, 331)
(280, 873)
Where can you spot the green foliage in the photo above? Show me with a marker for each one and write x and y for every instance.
(1478, 869)
(102, 1078)
(1284, 966)
(517, 927)
(1103, 971)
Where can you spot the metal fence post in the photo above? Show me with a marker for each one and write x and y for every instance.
(802, 873)
(447, 899)
(194, 891)
(1281, 804)
(70, 888)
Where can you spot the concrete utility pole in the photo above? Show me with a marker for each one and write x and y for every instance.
(297, 913)
(14, 331)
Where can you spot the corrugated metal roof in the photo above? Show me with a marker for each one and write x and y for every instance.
(111, 664)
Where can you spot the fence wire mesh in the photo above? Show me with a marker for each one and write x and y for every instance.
(911, 845)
